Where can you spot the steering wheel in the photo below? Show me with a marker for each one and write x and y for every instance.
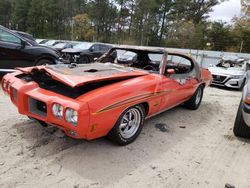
(149, 68)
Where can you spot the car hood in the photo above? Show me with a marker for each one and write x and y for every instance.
(219, 70)
(85, 73)
(72, 50)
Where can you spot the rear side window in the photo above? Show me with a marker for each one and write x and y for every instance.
(8, 37)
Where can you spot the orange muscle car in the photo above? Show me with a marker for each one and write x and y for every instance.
(112, 96)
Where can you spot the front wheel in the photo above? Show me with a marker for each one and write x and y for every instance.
(196, 99)
(128, 126)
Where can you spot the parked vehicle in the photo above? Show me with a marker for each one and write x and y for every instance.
(63, 45)
(108, 97)
(42, 41)
(17, 51)
(84, 52)
(51, 43)
(242, 121)
(230, 72)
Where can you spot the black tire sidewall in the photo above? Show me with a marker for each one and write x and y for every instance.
(241, 129)
(44, 62)
(199, 88)
(191, 103)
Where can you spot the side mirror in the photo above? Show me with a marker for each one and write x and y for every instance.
(170, 71)
(92, 49)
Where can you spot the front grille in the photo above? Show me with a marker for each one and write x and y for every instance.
(37, 107)
(218, 78)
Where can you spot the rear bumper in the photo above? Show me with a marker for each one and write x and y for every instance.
(35, 102)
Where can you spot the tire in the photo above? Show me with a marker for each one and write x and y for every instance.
(195, 101)
(83, 60)
(125, 132)
(240, 127)
(44, 62)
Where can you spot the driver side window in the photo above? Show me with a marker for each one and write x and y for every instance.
(180, 64)
(8, 37)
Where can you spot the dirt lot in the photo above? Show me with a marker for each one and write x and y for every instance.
(192, 149)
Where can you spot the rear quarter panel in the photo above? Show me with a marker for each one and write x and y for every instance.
(206, 76)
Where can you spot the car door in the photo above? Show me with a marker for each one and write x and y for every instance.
(12, 52)
(181, 84)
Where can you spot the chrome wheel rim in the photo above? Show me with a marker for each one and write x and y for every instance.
(130, 123)
(198, 97)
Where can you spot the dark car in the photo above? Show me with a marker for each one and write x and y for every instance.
(84, 52)
(17, 51)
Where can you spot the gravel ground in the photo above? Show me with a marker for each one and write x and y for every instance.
(178, 148)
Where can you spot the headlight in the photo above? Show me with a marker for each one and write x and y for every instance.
(57, 110)
(71, 116)
(236, 76)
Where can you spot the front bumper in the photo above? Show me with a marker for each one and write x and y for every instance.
(226, 81)
(35, 102)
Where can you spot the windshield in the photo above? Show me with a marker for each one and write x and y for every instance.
(83, 45)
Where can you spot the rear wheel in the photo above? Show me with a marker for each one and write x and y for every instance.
(196, 99)
(240, 127)
(128, 126)
(44, 62)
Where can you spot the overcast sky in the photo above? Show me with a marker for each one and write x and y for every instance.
(226, 11)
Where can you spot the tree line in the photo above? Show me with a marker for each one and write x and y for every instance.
(168, 23)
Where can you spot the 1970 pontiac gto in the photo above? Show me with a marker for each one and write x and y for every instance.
(111, 97)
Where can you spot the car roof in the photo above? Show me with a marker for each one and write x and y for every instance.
(149, 49)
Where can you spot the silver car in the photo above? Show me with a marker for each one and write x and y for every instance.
(229, 72)
(242, 121)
